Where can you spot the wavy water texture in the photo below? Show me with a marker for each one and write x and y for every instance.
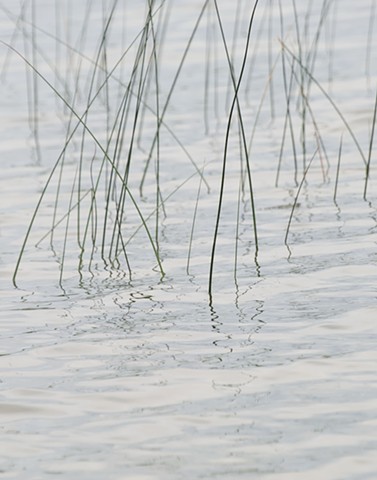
(153, 152)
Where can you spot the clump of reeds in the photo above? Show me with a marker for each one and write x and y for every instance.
(106, 184)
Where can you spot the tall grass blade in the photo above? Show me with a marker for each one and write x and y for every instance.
(338, 169)
(367, 168)
(296, 197)
(171, 90)
(331, 101)
(235, 103)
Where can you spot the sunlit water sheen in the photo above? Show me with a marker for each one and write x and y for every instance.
(107, 377)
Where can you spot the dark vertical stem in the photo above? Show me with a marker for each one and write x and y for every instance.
(367, 168)
(35, 104)
(235, 102)
(338, 168)
(170, 93)
(270, 62)
(372, 18)
(296, 197)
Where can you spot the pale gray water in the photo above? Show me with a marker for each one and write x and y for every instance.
(137, 379)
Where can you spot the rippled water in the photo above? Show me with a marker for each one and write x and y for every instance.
(145, 378)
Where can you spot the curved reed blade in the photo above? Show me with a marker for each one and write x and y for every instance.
(296, 197)
(367, 167)
(235, 103)
(328, 97)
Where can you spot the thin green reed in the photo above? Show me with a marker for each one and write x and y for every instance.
(170, 92)
(371, 141)
(235, 105)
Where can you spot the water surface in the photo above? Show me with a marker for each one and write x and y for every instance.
(107, 376)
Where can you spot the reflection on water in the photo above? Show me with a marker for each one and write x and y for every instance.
(110, 377)
(147, 384)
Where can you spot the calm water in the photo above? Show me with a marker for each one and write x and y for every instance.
(107, 376)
